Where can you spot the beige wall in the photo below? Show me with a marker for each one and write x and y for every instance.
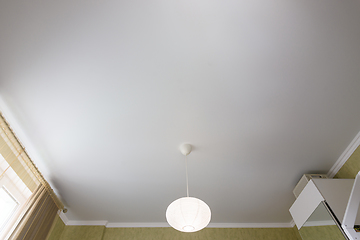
(61, 232)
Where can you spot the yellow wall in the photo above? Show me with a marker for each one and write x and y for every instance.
(207, 233)
(297, 233)
(82, 232)
(102, 233)
(330, 232)
(351, 167)
(56, 229)
(61, 232)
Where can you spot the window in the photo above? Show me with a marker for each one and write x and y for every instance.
(8, 205)
(13, 195)
(19, 179)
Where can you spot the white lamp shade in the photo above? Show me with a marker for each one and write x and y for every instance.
(188, 214)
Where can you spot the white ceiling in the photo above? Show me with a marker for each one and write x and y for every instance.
(102, 94)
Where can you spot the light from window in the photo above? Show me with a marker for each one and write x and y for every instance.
(8, 205)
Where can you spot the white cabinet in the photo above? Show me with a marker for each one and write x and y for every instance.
(340, 198)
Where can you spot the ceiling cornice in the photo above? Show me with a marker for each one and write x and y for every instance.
(107, 224)
(345, 156)
(68, 222)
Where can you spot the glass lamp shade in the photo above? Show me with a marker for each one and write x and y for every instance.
(188, 214)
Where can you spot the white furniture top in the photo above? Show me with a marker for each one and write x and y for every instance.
(342, 195)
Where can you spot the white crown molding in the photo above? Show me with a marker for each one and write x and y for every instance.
(292, 223)
(137, 225)
(345, 156)
(68, 222)
(63, 217)
(87, 223)
(165, 224)
(249, 225)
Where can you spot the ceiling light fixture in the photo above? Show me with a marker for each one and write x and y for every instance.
(188, 214)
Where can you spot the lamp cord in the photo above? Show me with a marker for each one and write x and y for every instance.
(187, 180)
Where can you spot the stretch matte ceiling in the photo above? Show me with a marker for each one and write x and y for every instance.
(102, 94)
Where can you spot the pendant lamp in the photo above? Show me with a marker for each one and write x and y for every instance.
(188, 214)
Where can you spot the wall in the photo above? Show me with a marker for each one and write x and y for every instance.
(82, 232)
(207, 233)
(102, 233)
(61, 232)
(297, 233)
(331, 232)
(56, 229)
(351, 167)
